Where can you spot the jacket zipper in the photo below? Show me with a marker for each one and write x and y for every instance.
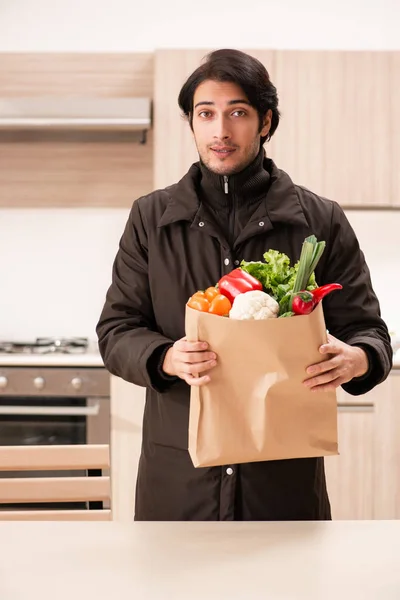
(232, 216)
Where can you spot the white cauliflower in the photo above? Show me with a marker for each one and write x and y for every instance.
(254, 305)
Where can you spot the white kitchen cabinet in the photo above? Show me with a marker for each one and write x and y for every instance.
(350, 475)
(364, 480)
(127, 406)
(387, 449)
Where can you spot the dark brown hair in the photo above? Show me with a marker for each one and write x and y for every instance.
(240, 68)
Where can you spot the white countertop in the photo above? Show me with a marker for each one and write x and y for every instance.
(88, 359)
(91, 358)
(357, 560)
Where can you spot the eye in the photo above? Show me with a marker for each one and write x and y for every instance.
(239, 113)
(204, 114)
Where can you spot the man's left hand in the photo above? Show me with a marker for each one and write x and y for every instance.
(345, 363)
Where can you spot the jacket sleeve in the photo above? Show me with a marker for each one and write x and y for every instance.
(353, 314)
(129, 343)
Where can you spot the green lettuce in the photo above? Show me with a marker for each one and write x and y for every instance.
(277, 277)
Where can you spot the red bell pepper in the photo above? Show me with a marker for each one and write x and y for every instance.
(238, 282)
(304, 302)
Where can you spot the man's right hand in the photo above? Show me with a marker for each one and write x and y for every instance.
(188, 360)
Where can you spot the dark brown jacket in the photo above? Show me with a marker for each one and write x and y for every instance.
(184, 238)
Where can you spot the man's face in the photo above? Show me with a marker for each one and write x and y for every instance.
(226, 127)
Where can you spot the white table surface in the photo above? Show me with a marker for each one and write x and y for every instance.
(207, 561)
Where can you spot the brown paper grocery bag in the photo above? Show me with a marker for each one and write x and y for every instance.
(256, 407)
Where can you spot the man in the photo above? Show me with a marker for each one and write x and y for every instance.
(233, 205)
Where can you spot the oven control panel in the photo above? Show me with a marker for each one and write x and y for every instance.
(51, 381)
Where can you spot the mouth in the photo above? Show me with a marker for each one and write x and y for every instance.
(223, 151)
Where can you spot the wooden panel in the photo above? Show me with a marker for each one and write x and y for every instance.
(81, 74)
(394, 137)
(54, 489)
(350, 475)
(387, 449)
(336, 136)
(55, 515)
(339, 133)
(38, 458)
(72, 169)
(60, 173)
(174, 148)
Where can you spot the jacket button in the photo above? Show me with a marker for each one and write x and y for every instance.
(226, 261)
(261, 223)
(229, 471)
(201, 224)
(237, 262)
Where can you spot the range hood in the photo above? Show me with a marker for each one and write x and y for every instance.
(128, 114)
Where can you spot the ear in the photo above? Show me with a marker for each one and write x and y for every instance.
(266, 123)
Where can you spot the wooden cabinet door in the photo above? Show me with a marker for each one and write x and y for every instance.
(337, 134)
(350, 475)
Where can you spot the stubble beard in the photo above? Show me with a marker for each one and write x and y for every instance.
(249, 155)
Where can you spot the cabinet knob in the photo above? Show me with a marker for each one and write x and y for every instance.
(76, 383)
(38, 383)
(3, 382)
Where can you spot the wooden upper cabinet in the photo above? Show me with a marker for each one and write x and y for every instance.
(339, 133)
(74, 168)
(174, 148)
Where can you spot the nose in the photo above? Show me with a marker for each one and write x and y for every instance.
(222, 130)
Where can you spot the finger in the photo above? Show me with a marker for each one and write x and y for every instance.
(195, 357)
(328, 387)
(322, 379)
(199, 367)
(197, 381)
(331, 347)
(326, 365)
(184, 346)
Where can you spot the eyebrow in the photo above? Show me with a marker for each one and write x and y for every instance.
(230, 103)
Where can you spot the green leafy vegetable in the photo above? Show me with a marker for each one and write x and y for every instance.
(281, 280)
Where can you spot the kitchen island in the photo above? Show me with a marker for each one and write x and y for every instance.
(208, 561)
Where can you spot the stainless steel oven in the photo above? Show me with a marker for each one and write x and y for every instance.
(54, 405)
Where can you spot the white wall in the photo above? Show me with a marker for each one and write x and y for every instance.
(55, 268)
(140, 25)
(55, 265)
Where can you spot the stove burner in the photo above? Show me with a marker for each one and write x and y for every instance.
(46, 346)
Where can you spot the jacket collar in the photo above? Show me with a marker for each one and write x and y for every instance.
(281, 203)
(244, 189)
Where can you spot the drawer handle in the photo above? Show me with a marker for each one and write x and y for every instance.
(54, 411)
(367, 407)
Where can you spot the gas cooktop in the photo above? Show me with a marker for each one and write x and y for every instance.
(75, 345)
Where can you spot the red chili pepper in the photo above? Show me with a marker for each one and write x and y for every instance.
(238, 282)
(305, 301)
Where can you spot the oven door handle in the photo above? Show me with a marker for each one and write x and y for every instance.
(53, 411)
